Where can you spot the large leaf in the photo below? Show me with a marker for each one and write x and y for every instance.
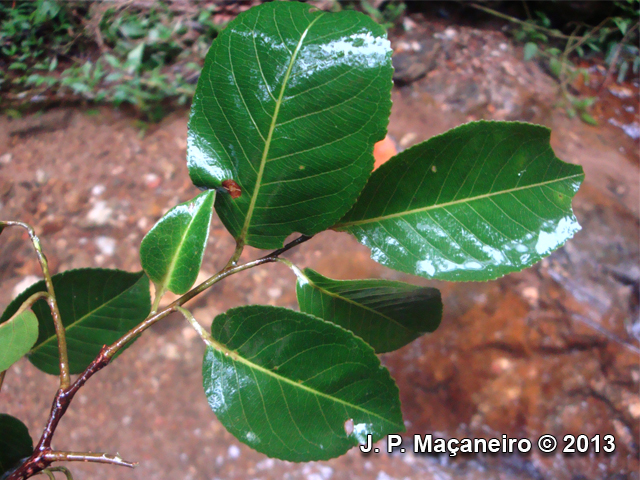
(15, 442)
(295, 387)
(286, 112)
(17, 336)
(475, 203)
(97, 307)
(385, 314)
(171, 253)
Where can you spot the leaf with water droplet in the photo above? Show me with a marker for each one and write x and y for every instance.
(498, 201)
(288, 107)
(289, 384)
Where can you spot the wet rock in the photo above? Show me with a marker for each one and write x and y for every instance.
(413, 60)
(407, 69)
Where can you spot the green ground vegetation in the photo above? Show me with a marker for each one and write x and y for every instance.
(564, 46)
(148, 55)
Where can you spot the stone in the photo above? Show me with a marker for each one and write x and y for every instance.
(100, 214)
(106, 245)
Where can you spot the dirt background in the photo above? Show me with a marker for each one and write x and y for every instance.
(554, 349)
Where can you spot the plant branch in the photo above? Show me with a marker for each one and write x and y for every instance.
(57, 456)
(289, 246)
(2, 374)
(42, 455)
(53, 304)
(504, 16)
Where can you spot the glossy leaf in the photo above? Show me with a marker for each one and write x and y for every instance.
(295, 387)
(171, 253)
(286, 112)
(97, 307)
(385, 314)
(475, 203)
(17, 336)
(15, 442)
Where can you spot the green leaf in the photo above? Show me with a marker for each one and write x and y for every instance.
(15, 442)
(530, 50)
(97, 307)
(583, 103)
(622, 24)
(475, 203)
(586, 118)
(171, 253)
(555, 66)
(17, 336)
(385, 314)
(286, 112)
(622, 71)
(295, 387)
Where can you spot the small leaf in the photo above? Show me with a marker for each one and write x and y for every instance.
(171, 253)
(530, 51)
(17, 336)
(97, 307)
(287, 384)
(15, 442)
(583, 103)
(555, 66)
(385, 314)
(288, 106)
(622, 24)
(622, 71)
(588, 119)
(474, 203)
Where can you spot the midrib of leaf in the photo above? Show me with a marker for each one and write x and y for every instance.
(454, 202)
(79, 320)
(359, 305)
(272, 127)
(237, 358)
